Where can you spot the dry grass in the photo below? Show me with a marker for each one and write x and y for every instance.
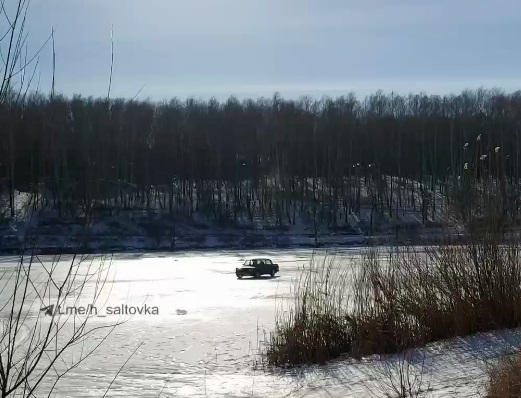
(316, 328)
(505, 379)
(404, 298)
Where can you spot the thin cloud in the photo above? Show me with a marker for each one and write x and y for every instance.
(263, 46)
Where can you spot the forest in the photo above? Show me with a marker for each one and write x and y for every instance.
(251, 158)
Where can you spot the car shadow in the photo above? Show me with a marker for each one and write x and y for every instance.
(263, 277)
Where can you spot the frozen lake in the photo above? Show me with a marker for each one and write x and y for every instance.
(205, 339)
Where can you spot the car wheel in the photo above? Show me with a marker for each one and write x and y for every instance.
(257, 275)
(239, 277)
(272, 273)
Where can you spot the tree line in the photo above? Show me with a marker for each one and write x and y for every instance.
(252, 158)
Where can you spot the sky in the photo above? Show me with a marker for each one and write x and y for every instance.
(254, 48)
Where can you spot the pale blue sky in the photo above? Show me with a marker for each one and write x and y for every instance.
(252, 48)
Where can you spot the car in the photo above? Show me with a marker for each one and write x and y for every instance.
(257, 267)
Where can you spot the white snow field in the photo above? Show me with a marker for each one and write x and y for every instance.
(205, 340)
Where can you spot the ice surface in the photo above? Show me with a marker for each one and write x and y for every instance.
(205, 340)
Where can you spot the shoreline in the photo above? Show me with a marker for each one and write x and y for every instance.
(300, 242)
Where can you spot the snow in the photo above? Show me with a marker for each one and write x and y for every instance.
(205, 341)
(153, 228)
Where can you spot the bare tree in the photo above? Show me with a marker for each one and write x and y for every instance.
(45, 312)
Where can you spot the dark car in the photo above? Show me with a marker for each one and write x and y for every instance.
(257, 267)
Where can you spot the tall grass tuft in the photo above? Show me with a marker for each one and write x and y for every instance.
(315, 328)
(505, 379)
(389, 300)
